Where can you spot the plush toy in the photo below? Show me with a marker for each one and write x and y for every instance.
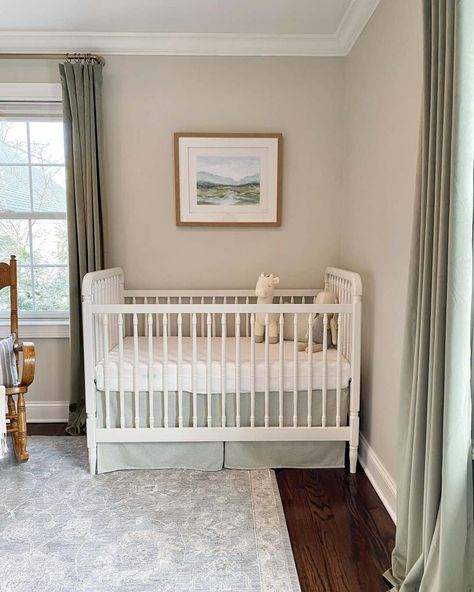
(265, 286)
(324, 297)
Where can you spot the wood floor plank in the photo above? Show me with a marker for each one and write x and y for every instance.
(340, 532)
(358, 534)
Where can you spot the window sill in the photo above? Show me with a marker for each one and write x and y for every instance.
(38, 328)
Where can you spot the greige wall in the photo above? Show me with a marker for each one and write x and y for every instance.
(382, 108)
(149, 98)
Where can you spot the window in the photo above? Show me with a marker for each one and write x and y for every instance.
(33, 213)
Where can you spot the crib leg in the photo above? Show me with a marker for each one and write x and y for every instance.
(92, 460)
(353, 458)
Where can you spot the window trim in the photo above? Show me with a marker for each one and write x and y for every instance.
(31, 92)
(30, 101)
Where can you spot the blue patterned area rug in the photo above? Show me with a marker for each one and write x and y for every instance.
(62, 529)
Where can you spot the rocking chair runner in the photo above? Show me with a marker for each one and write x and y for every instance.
(16, 409)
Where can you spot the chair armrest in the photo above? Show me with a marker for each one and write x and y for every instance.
(29, 361)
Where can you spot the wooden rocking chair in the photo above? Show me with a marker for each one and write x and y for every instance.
(16, 409)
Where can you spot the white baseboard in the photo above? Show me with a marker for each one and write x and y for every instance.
(47, 411)
(380, 478)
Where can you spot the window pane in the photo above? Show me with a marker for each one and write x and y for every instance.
(14, 189)
(4, 300)
(49, 242)
(49, 193)
(14, 240)
(51, 288)
(13, 142)
(32, 179)
(46, 142)
(25, 290)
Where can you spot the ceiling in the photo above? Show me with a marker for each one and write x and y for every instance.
(219, 27)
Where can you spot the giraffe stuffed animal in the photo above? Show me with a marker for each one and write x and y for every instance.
(265, 287)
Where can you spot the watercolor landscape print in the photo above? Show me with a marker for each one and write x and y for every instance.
(228, 180)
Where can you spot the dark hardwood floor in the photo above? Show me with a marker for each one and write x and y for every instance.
(340, 532)
(47, 429)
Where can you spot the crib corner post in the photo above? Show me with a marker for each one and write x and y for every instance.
(90, 392)
(355, 381)
(354, 441)
(92, 454)
(353, 454)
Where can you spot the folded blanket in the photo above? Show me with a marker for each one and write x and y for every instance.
(3, 422)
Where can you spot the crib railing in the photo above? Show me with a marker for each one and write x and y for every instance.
(226, 297)
(112, 314)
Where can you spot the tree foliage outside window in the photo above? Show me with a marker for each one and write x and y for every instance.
(33, 213)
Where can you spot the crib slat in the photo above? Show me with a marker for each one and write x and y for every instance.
(165, 371)
(247, 319)
(346, 321)
(267, 368)
(280, 371)
(209, 370)
(145, 320)
(325, 368)
(237, 369)
(180, 370)
(338, 376)
(136, 390)
(252, 370)
(121, 386)
(151, 418)
(105, 327)
(194, 366)
(214, 330)
(157, 301)
(295, 369)
(98, 339)
(310, 369)
(223, 369)
(170, 318)
(202, 319)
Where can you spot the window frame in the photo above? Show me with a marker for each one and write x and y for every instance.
(30, 102)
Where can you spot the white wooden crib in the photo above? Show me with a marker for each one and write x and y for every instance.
(191, 347)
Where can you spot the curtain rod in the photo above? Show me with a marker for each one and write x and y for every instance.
(69, 57)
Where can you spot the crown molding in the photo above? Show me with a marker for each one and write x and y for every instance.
(206, 44)
(210, 44)
(353, 23)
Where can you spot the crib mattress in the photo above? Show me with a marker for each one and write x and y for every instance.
(127, 379)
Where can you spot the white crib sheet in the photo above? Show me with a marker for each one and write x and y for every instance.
(201, 367)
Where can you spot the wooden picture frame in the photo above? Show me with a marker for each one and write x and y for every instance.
(228, 179)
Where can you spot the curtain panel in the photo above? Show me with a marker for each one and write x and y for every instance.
(434, 549)
(82, 113)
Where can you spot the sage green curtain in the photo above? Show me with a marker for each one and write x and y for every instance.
(434, 549)
(82, 112)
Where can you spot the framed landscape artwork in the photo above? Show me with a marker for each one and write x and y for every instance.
(228, 179)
